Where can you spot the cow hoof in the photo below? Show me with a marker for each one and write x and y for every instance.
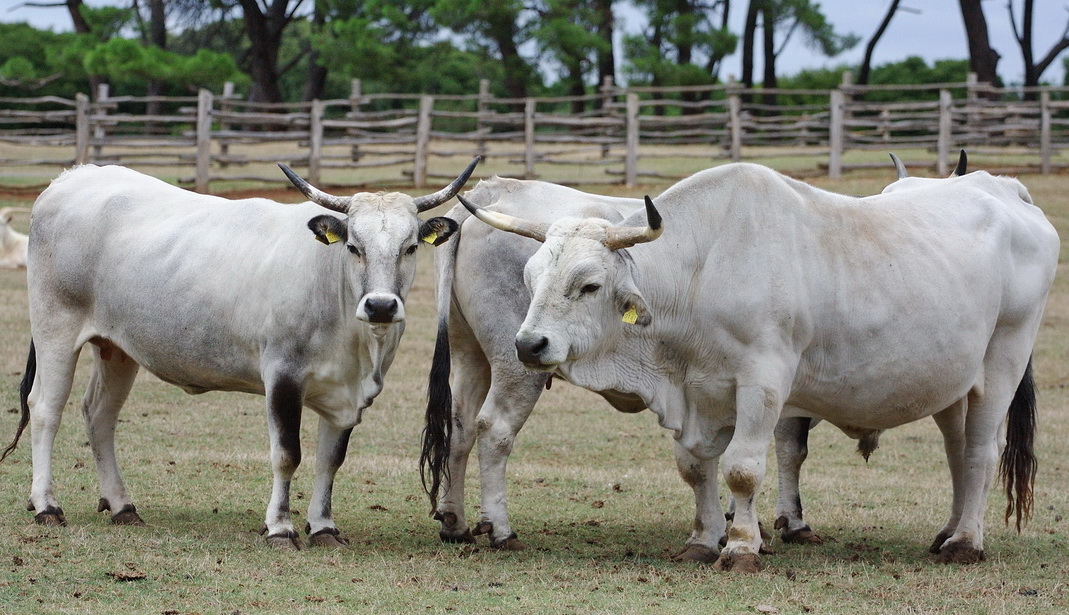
(512, 543)
(743, 562)
(699, 554)
(937, 544)
(284, 542)
(803, 536)
(329, 539)
(960, 553)
(127, 517)
(52, 517)
(483, 527)
(465, 537)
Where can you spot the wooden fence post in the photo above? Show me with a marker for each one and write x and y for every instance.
(482, 106)
(81, 128)
(836, 135)
(99, 133)
(1044, 131)
(631, 158)
(204, 140)
(735, 123)
(423, 137)
(529, 138)
(315, 141)
(946, 126)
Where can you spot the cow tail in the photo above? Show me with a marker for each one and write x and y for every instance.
(438, 431)
(24, 397)
(1018, 464)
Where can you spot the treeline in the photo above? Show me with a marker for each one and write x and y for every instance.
(290, 50)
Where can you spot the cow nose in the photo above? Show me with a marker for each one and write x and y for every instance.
(380, 309)
(529, 351)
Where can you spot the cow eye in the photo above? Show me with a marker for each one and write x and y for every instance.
(412, 249)
(355, 250)
(590, 289)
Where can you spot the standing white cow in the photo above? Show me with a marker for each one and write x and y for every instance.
(492, 394)
(766, 298)
(213, 294)
(12, 243)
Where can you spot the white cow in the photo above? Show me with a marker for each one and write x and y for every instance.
(12, 242)
(766, 298)
(479, 313)
(213, 294)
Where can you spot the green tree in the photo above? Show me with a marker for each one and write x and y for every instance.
(568, 33)
(680, 34)
(499, 28)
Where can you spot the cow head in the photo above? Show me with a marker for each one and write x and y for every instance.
(580, 281)
(905, 182)
(381, 233)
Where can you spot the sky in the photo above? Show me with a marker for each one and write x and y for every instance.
(932, 29)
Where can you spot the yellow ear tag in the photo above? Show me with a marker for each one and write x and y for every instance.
(331, 237)
(431, 237)
(631, 315)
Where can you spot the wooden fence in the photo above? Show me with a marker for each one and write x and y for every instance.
(623, 133)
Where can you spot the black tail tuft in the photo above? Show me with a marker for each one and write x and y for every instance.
(24, 396)
(1018, 464)
(434, 458)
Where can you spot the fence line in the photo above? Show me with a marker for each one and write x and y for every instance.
(615, 129)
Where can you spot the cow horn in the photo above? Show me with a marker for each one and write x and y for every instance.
(963, 163)
(505, 222)
(315, 195)
(899, 167)
(430, 201)
(617, 238)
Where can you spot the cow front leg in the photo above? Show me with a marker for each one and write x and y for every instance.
(792, 447)
(710, 526)
(757, 412)
(109, 385)
(284, 404)
(503, 414)
(330, 454)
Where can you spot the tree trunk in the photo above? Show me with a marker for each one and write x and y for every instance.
(158, 37)
(316, 82)
(748, 33)
(606, 24)
(768, 31)
(866, 62)
(265, 36)
(983, 60)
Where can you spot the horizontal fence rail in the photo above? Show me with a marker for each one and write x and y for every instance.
(620, 133)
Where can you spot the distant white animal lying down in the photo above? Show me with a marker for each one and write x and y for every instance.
(763, 298)
(213, 294)
(12, 242)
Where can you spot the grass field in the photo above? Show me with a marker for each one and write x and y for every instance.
(593, 493)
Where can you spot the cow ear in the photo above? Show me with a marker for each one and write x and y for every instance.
(437, 231)
(632, 308)
(328, 229)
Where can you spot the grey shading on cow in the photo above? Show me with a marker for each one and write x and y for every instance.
(482, 301)
(215, 294)
(785, 300)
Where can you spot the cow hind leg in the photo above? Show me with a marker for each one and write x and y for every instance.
(284, 404)
(330, 454)
(792, 447)
(951, 423)
(52, 381)
(470, 385)
(109, 385)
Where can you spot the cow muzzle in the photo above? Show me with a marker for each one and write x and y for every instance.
(531, 350)
(381, 308)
